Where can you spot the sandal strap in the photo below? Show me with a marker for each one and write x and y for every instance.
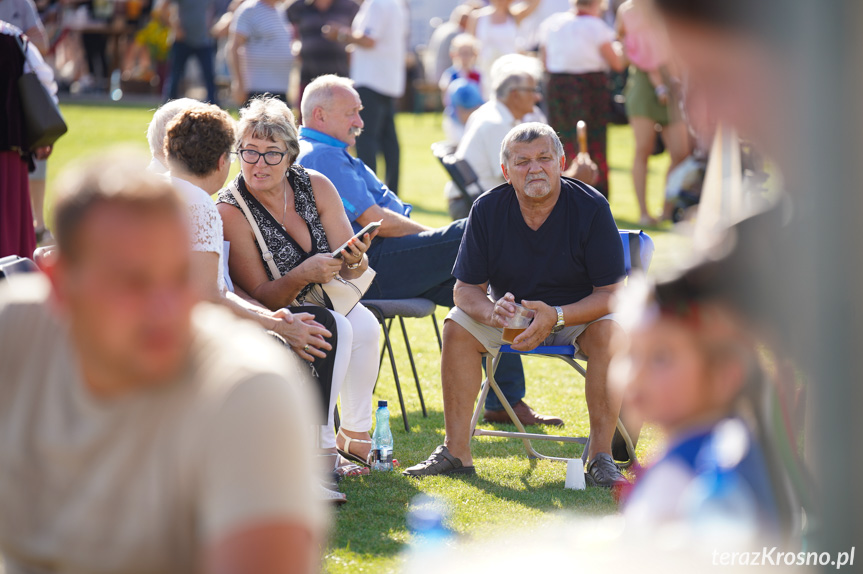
(349, 440)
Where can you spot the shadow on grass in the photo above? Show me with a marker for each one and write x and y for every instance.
(551, 496)
(374, 521)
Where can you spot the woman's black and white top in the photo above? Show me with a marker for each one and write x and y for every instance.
(287, 253)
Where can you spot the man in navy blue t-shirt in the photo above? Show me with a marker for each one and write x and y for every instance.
(551, 244)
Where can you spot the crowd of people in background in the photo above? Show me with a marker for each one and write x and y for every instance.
(232, 467)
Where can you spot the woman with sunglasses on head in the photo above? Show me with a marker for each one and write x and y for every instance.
(301, 219)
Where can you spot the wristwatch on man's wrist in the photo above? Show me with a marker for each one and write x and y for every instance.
(558, 327)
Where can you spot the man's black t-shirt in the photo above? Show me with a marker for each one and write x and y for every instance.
(577, 248)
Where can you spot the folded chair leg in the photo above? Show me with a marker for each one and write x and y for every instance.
(386, 327)
(413, 366)
(389, 348)
(437, 332)
(630, 449)
(531, 453)
(480, 405)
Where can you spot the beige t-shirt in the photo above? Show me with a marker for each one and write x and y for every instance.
(145, 482)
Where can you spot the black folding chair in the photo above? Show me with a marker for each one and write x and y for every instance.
(460, 172)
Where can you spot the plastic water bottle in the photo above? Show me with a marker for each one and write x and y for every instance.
(382, 439)
(430, 536)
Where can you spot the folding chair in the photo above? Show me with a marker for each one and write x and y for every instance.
(386, 310)
(638, 251)
(462, 174)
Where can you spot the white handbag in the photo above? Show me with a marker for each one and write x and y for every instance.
(339, 295)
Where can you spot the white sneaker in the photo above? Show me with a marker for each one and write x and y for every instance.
(333, 496)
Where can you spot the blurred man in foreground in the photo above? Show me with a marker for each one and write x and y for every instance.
(156, 436)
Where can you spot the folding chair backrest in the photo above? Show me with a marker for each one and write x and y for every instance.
(638, 250)
(13, 265)
(459, 170)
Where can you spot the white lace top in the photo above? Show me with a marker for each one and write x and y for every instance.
(205, 223)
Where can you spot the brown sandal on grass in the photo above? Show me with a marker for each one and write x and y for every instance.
(440, 462)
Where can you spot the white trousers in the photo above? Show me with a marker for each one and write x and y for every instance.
(354, 373)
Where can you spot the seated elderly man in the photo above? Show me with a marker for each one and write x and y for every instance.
(551, 244)
(411, 260)
(515, 93)
(142, 431)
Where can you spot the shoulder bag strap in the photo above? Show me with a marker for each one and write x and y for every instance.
(267, 254)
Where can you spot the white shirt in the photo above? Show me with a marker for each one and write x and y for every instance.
(528, 28)
(382, 67)
(143, 482)
(572, 43)
(495, 40)
(205, 223)
(265, 58)
(480, 146)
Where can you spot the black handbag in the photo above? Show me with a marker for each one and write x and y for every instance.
(43, 122)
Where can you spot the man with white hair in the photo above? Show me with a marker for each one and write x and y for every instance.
(515, 93)
(411, 260)
(158, 128)
(550, 244)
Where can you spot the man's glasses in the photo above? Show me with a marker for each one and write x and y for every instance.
(270, 158)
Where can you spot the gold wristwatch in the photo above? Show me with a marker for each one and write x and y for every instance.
(558, 327)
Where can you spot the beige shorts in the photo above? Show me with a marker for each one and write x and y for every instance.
(490, 337)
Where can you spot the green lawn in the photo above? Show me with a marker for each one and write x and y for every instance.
(369, 533)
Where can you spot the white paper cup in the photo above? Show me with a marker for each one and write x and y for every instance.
(574, 474)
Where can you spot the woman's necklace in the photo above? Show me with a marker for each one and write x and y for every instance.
(284, 210)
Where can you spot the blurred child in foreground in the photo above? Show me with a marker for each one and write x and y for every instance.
(693, 370)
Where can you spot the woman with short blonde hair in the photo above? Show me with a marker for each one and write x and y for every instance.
(301, 218)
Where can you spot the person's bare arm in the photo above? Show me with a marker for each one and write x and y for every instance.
(591, 308)
(464, 113)
(238, 89)
(470, 28)
(275, 548)
(612, 53)
(523, 10)
(345, 35)
(394, 224)
(473, 300)
(37, 37)
(337, 227)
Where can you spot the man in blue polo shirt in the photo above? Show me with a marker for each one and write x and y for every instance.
(411, 260)
(550, 244)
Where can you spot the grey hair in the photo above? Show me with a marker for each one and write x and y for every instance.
(269, 118)
(158, 128)
(319, 93)
(513, 71)
(526, 133)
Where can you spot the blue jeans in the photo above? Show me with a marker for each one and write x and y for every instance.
(379, 135)
(180, 53)
(421, 265)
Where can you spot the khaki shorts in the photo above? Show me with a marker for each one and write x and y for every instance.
(490, 337)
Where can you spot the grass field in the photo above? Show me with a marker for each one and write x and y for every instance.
(370, 533)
